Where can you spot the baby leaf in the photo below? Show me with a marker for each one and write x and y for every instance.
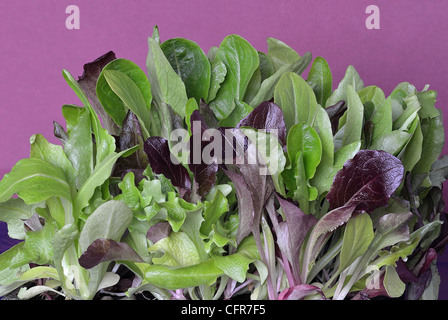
(204, 171)
(191, 64)
(237, 264)
(296, 99)
(433, 141)
(79, 146)
(280, 53)
(136, 97)
(352, 78)
(159, 157)
(320, 233)
(267, 116)
(102, 250)
(390, 229)
(358, 235)
(427, 100)
(217, 76)
(88, 82)
(245, 204)
(297, 228)
(303, 138)
(321, 80)
(40, 272)
(105, 143)
(392, 142)
(108, 221)
(12, 262)
(372, 97)
(232, 51)
(130, 136)
(178, 251)
(267, 87)
(204, 273)
(166, 85)
(382, 119)
(54, 154)
(323, 178)
(392, 283)
(176, 213)
(355, 117)
(366, 181)
(213, 211)
(269, 153)
(34, 180)
(100, 174)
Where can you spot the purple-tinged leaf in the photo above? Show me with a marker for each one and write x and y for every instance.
(234, 145)
(208, 114)
(159, 231)
(320, 232)
(367, 181)
(415, 290)
(299, 292)
(59, 132)
(131, 135)
(245, 205)
(425, 262)
(292, 232)
(204, 172)
(88, 80)
(102, 250)
(267, 116)
(159, 156)
(333, 220)
(335, 112)
(251, 184)
(404, 273)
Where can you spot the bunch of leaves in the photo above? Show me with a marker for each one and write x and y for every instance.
(349, 206)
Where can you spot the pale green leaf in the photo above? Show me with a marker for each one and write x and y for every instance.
(358, 235)
(166, 85)
(352, 78)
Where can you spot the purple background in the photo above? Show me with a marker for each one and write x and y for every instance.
(35, 45)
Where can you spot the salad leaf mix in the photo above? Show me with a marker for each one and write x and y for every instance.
(225, 175)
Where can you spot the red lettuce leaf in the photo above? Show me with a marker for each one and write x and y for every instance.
(253, 190)
(245, 205)
(159, 157)
(267, 116)
(293, 232)
(204, 173)
(102, 250)
(88, 80)
(367, 181)
(159, 231)
(130, 136)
